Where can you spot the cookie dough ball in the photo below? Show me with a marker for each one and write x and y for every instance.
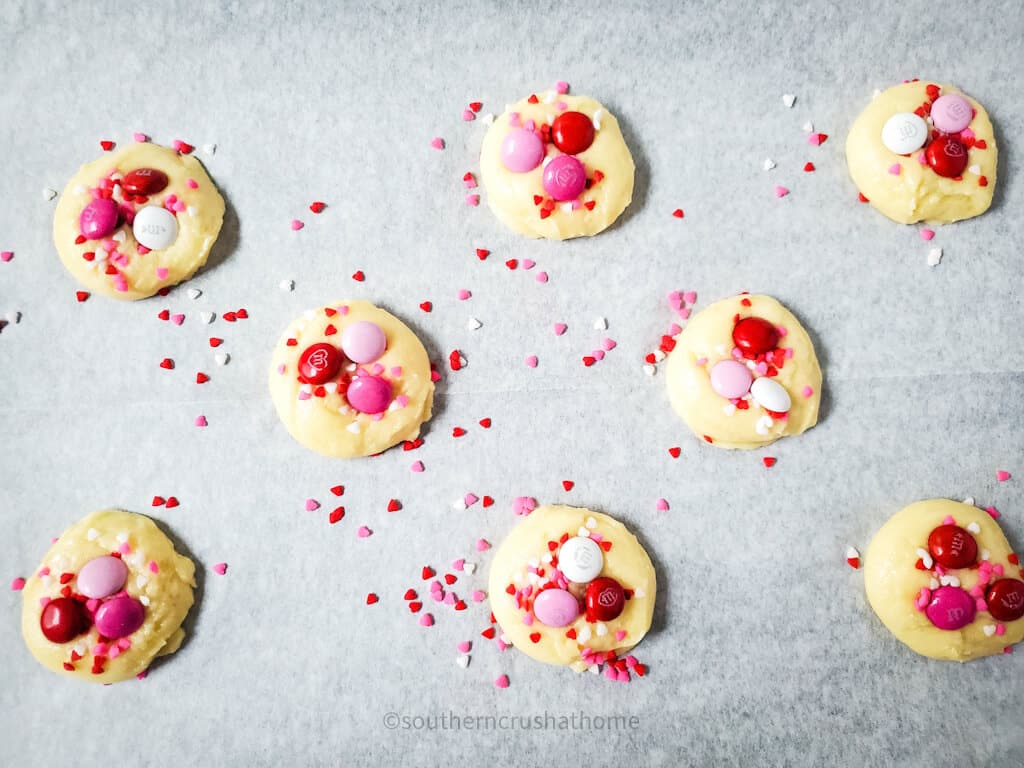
(108, 598)
(573, 587)
(137, 220)
(556, 166)
(743, 373)
(351, 379)
(924, 152)
(942, 577)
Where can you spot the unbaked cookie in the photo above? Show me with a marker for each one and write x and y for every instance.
(108, 598)
(556, 166)
(137, 220)
(923, 152)
(351, 379)
(574, 587)
(942, 577)
(743, 373)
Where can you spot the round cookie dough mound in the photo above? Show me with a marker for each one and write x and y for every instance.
(906, 187)
(158, 579)
(779, 363)
(902, 578)
(527, 562)
(521, 200)
(326, 413)
(114, 263)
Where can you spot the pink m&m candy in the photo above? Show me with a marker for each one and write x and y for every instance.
(556, 608)
(951, 113)
(731, 379)
(369, 394)
(521, 150)
(120, 617)
(363, 341)
(950, 608)
(564, 178)
(98, 219)
(102, 576)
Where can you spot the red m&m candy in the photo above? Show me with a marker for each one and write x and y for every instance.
(755, 336)
(572, 132)
(605, 599)
(947, 156)
(144, 181)
(952, 547)
(319, 363)
(63, 620)
(1005, 599)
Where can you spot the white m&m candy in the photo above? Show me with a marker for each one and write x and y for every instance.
(904, 133)
(155, 227)
(580, 559)
(770, 395)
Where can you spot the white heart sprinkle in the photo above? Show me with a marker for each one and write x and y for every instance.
(469, 568)
(768, 164)
(49, 194)
(933, 584)
(331, 387)
(649, 369)
(969, 500)
(80, 189)
(353, 427)
(487, 119)
(459, 504)
(122, 537)
(141, 580)
(974, 528)
(600, 324)
(566, 207)
(473, 324)
(286, 285)
(583, 532)
(144, 599)
(989, 630)
(194, 293)
(584, 635)
(13, 317)
(788, 99)
(728, 409)
(808, 126)
(222, 358)
(192, 211)
(549, 97)
(638, 592)
(659, 356)
(210, 149)
(92, 534)
(876, 93)
(119, 236)
(591, 523)
(206, 316)
(602, 629)
(984, 554)
(975, 169)
(462, 661)
(934, 257)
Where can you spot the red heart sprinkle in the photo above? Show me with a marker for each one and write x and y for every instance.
(393, 506)
(460, 606)
(589, 205)
(426, 306)
(107, 145)
(588, 360)
(158, 501)
(79, 239)
(317, 207)
(458, 432)
(808, 167)
(415, 606)
(201, 378)
(371, 598)
(450, 578)
(427, 572)
(488, 501)
(330, 330)
(482, 253)
(242, 314)
(167, 364)
(535, 637)
(678, 213)
(568, 484)
(172, 502)
(674, 452)
(338, 490)
(215, 342)
(571, 633)
(769, 461)
(165, 314)
(336, 515)
(512, 263)
(476, 106)
(230, 316)
(358, 276)
(533, 99)
(488, 633)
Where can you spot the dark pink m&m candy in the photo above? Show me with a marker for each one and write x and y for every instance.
(144, 181)
(63, 620)
(120, 617)
(98, 219)
(369, 394)
(564, 178)
(319, 363)
(950, 608)
(952, 547)
(1005, 599)
(755, 336)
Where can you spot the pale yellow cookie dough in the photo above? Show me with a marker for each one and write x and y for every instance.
(893, 583)
(917, 193)
(328, 425)
(706, 340)
(167, 594)
(627, 562)
(143, 274)
(511, 195)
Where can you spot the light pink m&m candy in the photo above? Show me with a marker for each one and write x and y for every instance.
(564, 178)
(98, 219)
(119, 617)
(363, 341)
(556, 608)
(950, 608)
(731, 379)
(521, 150)
(951, 113)
(369, 394)
(102, 576)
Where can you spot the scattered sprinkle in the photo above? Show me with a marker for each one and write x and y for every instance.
(661, 505)
(934, 257)
(852, 558)
(437, 142)
(781, 191)
(1002, 475)
(769, 461)
(531, 361)
(201, 421)
(678, 213)
(18, 584)
(220, 568)
(297, 225)
(501, 681)
(927, 234)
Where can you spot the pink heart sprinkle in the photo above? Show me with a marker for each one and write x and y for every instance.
(761, 368)
(463, 294)
(6, 256)
(153, 567)
(661, 505)
(426, 620)
(814, 139)
(1000, 630)
(561, 87)
(201, 421)
(598, 354)
(530, 125)
(469, 181)
(364, 532)
(948, 520)
(992, 512)
(895, 169)
(18, 584)
(529, 263)
(192, 183)
(501, 681)
(479, 596)
(927, 234)
(513, 119)
(141, 138)
(690, 297)
(675, 329)
(608, 344)
(459, 564)
(470, 499)
(304, 395)
(161, 273)
(482, 545)
(416, 466)
(220, 568)
(396, 371)
(781, 191)
(43, 601)
(297, 225)
(701, 361)
(468, 115)
(560, 328)
(675, 300)
(967, 133)
(1002, 475)
(282, 368)
(531, 361)
(464, 646)
(437, 142)
(436, 588)
(473, 200)
(542, 277)
(177, 319)
(561, 105)
(620, 634)
(807, 391)
(450, 599)
(312, 505)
